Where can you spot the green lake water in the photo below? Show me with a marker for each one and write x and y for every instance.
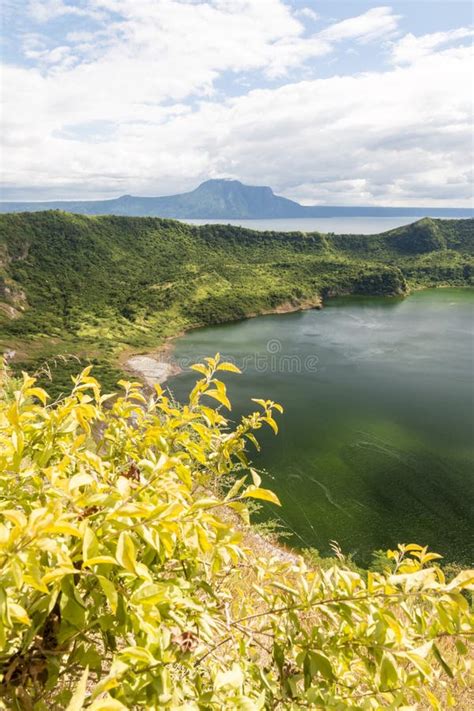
(376, 443)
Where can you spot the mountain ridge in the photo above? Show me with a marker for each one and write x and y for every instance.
(223, 199)
(103, 287)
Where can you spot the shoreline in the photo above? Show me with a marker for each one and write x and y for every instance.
(163, 367)
(156, 367)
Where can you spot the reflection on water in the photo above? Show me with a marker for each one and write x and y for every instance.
(376, 442)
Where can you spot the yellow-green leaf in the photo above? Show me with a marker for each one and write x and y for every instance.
(99, 560)
(67, 528)
(18, 613)
(263, 494)
(126, 553)
(108, 704)
(79, 695)
(320, 663)
(220, 396)
(199, 368)
(110, 592)
(230, 367)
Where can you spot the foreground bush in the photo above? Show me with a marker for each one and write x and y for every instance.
(125, 583)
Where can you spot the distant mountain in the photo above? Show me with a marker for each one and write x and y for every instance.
(224, 199)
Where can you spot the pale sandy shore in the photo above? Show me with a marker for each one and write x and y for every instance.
(158, 366)
(151, 368)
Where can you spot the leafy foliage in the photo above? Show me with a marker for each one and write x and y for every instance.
(96, 285)
(125, 583)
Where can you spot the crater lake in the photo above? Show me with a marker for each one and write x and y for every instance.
(376, 442)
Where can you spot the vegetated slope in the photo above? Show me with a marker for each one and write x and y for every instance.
(93, 285)
(222, 199)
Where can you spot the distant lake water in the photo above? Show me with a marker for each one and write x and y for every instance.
(376, 443)
(339, 225)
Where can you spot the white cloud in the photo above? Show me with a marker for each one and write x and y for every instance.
(161, 50)
(216, 36)
(405, 133)
(133, 107)
(46, 10)
(308, 13)
(411, 48)
(373, 24)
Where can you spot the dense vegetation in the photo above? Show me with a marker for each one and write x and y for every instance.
(94, 286)
(125, 581)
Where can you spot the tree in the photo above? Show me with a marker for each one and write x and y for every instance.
(125, 582)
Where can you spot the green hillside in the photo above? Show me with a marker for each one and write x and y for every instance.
(95, 286)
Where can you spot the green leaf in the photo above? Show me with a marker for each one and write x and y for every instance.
(137, 654)
(153, 594)
(388, 673)
(421, 664)
(90, 544)
(235, 488)
(72, 610)
(443, 662)
(93, 659)
(110, 592)
(320, 663)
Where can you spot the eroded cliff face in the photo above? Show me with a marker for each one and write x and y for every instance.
(13, 301)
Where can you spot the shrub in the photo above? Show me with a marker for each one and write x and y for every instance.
(125, 583)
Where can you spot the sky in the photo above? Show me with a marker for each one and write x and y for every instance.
(337, 102)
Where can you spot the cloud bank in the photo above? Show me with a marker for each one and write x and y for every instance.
(152, 96)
